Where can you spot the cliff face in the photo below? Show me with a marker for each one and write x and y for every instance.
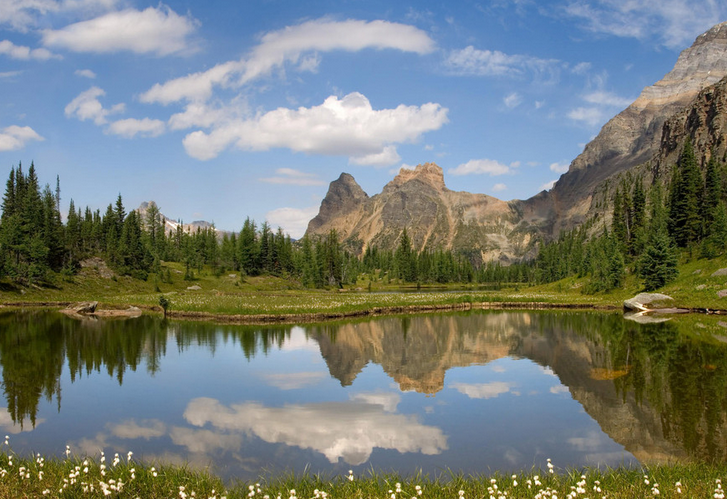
(434, 216)
(690, 100)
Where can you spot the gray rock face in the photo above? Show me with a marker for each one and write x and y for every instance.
(344, 195)
(641, 301)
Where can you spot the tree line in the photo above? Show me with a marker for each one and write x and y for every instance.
(650, 229)
(35, 246)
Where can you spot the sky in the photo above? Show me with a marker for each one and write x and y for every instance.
(222, 110)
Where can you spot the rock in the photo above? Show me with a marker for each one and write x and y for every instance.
(194, 288)
(640, 301)
(642, 318)
(720, 272)
(232, 276)
(701, 287)
(697, 272)
(84, 308)
(722, 293)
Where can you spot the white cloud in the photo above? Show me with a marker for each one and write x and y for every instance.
(10, 74)
(674, 23)
(11, 427)
(131, 127)
(591, 116)
(25, 53)
(483, 390)
(499, 188)
(204, 441)
(86, 106)
(85, 73)
(290, 176)
(193, 87)
(387, 400)
(290, 45)
(347, 126)
(325, 35)
(387, 157)
(15, 137)
(547, 186)
(559, 167)
(558, 389)
(338, 430)
(472, 61)
(513, 100)
(582, 68)
(22, 15)
(157, 31)
(294, 221)
(607, 99)
(483, 166)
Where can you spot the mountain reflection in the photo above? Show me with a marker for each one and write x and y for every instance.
(654, 388)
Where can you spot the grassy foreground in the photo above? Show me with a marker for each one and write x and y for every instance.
(122, 477)
(229, 295)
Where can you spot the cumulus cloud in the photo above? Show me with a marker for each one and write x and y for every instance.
(85, 73)
(290, 176)
(131, 127)
(559, 167)
(348, 126)
(547, 186)
(483, 166)
(483, 390)
(294, 221)
(16, 137)
(674, 23)
(387, 157)
(499, 188)
(472, 61)
(25, 53)
(338, 430)
(158, 31)
(297, 45)
(591, 116)
(86, 106)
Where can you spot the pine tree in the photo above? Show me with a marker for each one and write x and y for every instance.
(684, 199)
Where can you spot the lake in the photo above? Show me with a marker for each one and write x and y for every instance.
(469, 392)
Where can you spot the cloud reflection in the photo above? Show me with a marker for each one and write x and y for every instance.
(294, 381)
(9, 426)
(338, 430)
(484, 390)
(146, 429)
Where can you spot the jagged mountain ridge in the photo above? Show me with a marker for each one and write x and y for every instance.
(434, 216)
(172, 225)
(649, 134)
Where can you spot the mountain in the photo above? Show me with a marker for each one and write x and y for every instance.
(171, 225)
(691, 100)
(636, 135)
(434, 216)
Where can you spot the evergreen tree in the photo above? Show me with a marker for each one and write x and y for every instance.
(684, 199)
(658, 264)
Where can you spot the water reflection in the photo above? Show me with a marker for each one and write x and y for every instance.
(494, 389)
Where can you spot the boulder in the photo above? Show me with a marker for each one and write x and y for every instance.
(88, 307)
(641, 301)
(194, 288)
(720, 272)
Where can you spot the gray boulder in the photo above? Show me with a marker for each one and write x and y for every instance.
(642, 301)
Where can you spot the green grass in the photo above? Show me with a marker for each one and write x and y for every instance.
(122, 477)
(265, 295)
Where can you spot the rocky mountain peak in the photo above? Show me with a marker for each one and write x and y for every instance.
(429, 173)
(344, 195)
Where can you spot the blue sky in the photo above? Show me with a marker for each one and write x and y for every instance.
(221, 110)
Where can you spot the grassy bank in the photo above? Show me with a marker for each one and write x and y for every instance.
(121, 476)
(231, 295)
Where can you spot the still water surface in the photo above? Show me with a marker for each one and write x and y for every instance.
(472, 392)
